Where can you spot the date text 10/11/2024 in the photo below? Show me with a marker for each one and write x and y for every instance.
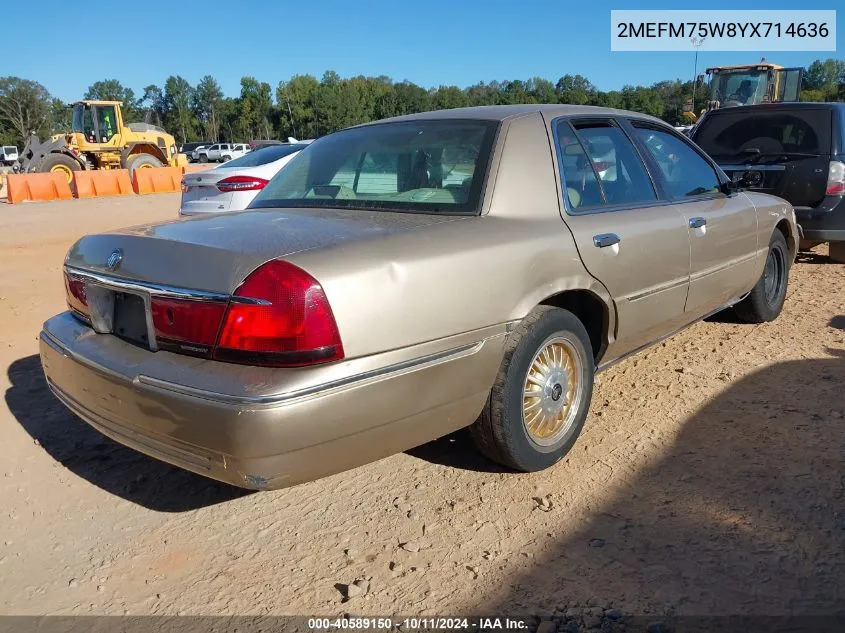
(418, 624)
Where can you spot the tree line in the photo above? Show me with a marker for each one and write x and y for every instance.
(305, 107)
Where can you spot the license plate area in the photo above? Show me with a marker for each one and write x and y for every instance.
(130, 319)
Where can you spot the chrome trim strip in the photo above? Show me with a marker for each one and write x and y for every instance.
(724, 266)
(753, 167)
(388, 371)
(159, 290)
(421, 362)
(633, 352)
(670, 285)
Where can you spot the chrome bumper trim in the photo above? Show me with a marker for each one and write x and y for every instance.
(277, 399)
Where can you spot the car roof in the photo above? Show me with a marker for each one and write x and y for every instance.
(503, 112)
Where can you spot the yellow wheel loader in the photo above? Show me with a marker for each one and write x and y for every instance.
(100, 140)
(749, 84)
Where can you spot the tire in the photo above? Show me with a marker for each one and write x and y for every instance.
(225, 159)
(500, 433)
(203, 158)
(836, 252)
(765, 301)
(141, 161)
(59, 163)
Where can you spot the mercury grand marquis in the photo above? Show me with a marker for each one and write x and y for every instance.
(407, 278)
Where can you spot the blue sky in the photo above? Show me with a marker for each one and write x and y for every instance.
(431, 42)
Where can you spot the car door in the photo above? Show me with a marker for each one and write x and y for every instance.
(214, 152)
(636, 244)
(722, 226)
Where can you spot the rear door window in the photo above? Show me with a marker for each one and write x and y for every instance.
(687, 174)
(765, 132)
(600, 166)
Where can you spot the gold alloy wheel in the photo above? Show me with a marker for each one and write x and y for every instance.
(552, 391)
(64, 170)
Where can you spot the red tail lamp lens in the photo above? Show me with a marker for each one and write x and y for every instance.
(279, 316)
(241, 183)
(186, 326)
(77, 300)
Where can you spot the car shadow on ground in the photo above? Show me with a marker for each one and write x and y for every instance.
(812, 257)
(456, 450)
(101, 461)
(838, 322)
(744, 515)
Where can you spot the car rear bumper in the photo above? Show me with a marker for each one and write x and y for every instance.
(825, 222)
(235, 423)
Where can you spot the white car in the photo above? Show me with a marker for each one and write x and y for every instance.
(222, 152)
(8, 154)
(231, 187)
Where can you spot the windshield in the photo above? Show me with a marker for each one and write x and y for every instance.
(10, 149)
(742, 88)
(78, 118)
(765, 132)
(418, 166)
(265, 155)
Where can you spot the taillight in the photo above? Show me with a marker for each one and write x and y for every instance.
(77, 300)
(836, 178)
(241, 183)
(284, 320)
(186, 326)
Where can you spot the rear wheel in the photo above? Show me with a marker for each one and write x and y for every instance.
(141, 161)
(541, 396)
(59, 164)
(225, 159)
(837, 252)
(765, 300)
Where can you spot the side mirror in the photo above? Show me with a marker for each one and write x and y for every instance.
(732, 186)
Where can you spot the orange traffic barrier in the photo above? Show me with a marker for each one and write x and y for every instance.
(106, 182)
(157, 180)
(187, 169)
(38, 187)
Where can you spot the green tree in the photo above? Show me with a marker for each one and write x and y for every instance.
(113, 90)
(61, 116)
(256, 108)
(180, 120)
(207, 98)
(297, 99)
(25, 107)
(153, 105)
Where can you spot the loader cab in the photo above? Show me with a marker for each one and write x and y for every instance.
(752, 85)
(99, 122)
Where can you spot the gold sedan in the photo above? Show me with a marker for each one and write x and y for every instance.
(407, 278)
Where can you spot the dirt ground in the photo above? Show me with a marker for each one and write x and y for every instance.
(710, 479)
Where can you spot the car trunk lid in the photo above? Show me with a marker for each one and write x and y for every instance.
(216, 252)
(780, 151)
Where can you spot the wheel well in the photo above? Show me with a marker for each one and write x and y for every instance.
(143, 148)
(590, 310)
(791, 241)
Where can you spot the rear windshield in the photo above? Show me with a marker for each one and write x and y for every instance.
(10, 149)
(264, 155)
(415, 166)
(763, 132)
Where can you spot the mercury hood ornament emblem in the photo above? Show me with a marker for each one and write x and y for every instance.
(114, 260)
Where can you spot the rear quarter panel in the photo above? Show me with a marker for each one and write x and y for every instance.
(772, 211)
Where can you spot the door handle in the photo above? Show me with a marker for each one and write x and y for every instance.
(606, 239)
(697, 223)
